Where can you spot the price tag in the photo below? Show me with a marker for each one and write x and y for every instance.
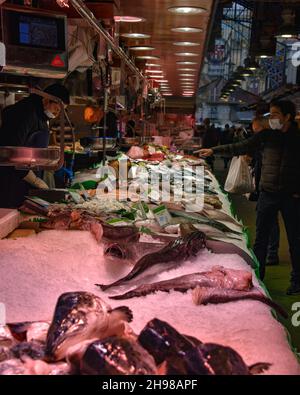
(162, 215)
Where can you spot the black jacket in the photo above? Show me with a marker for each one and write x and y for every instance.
(24, 124)
(22, 121)
(111, 125)
(280, 158)
(210, 138)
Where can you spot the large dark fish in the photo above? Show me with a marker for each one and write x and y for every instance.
(81, 316)
(117, 356)
(161, 340)
(204, 295)
(217, 277)
(210, 359)
(170, 256)
(226, 361)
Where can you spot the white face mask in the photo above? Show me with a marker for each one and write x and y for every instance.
(49, 114)
(275, 124)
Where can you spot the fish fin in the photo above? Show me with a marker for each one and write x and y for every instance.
(162, 369)
(259, 367)
(125, 312)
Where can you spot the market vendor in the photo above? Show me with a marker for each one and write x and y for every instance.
(26, 124)
(279, 183)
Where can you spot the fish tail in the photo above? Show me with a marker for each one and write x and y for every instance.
(127, 295)
(280, 310)
(125, 312)
(259, 367)
(104, 287)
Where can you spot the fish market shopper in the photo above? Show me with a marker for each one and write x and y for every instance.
(26, 124)
(279, 183)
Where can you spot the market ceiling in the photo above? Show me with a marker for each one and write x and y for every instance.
(180, 63)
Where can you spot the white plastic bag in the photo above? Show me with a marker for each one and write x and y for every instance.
(239, 179)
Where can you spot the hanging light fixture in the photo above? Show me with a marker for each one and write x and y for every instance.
(187, 10)
(288, 29)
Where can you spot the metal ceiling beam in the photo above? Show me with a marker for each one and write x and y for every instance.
(84, 11)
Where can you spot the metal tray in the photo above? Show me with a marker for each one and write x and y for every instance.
(24, 158)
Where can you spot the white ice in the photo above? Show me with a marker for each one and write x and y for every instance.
(34, 271)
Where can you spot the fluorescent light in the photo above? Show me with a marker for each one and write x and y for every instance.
(131, 19)
(186, 29)
(147, 57)
(141, 48)
(153, 71)
(186, 44)
(186, 54)
(187, 69)
(156, 76)
(186, 62)
(187, 10)
(187, 75)
(167, 94)
(135, 35)
(162, 81)
(186, 79)
(152, 65)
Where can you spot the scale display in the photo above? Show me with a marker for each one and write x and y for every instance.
(38, 32)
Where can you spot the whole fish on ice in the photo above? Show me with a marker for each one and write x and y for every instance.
(161, 340)
(117, 356)
(169, 256)
(217, 277)
(80, 316)
(210, 359)
(204, 295)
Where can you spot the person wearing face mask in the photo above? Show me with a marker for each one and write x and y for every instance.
(279, 183)
(26, 124)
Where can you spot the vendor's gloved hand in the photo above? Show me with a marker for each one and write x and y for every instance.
(35, 181)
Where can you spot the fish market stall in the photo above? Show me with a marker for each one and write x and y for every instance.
(162, 267)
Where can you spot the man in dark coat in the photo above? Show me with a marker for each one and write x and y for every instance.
(25, 124)
(279, 184)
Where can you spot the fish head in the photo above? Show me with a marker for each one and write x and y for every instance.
(75, 317)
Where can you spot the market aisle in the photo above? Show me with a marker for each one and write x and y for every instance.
(277, 277)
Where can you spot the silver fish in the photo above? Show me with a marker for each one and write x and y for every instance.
(218, 277)
(204, 295)
(80, 316)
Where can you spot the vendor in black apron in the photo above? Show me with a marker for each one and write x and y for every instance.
(26, 124)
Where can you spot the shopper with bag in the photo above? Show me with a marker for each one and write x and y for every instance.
(239, 178)
(258, 125)
(279, 184)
